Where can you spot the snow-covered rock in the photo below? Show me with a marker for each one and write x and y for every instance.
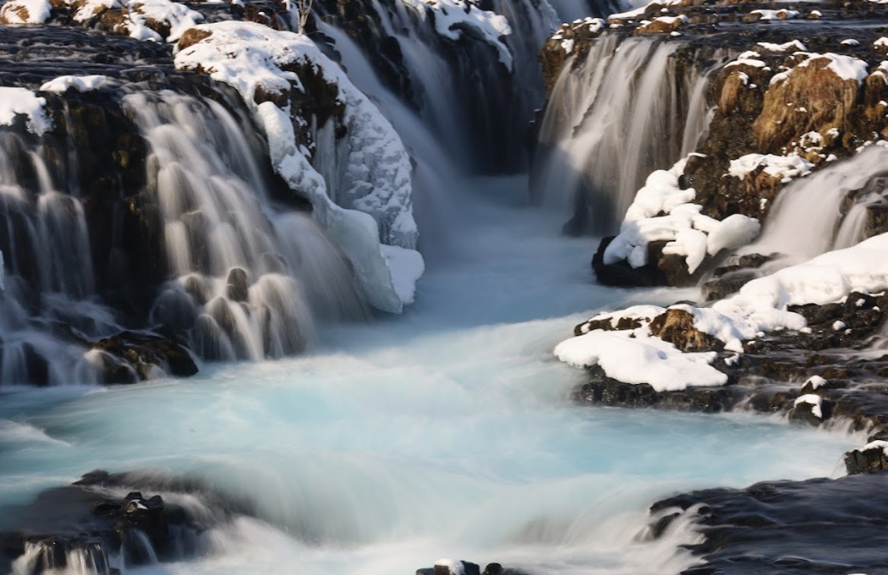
(62, 84)
(366, 201)
(452, 16)
(633, 357)
(663, 211)
(761, 306)
(21, 101)
(815, 401)
(25, 12)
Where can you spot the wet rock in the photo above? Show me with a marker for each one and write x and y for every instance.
(139, 353)
(237, 286)
(621, 274)
(860, 461)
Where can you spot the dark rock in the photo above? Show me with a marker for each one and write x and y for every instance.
(621, 274)
(860, 461)
(135, 354)
(237, 287)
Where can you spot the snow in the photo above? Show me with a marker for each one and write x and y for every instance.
(815, 401)
(877, 444)
(633, 357)
(783, 167)
(62, 84)
(748, 58)
(26, 11)
(21, 101)
(815, 381)
(690, 233)
(850, 42)
(643, 313)
(845, 67)
(368, 203)
(839, 326)
(792, 44)
(731, 233)
(776, 14)
(636, 12)
(881, 43)
(450, 16)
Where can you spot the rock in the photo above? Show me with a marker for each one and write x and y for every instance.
(621, 274)
(860, 461)
(676, 326)
(237, 287)
(137, 353)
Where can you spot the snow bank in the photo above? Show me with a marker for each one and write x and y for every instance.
(373, 188)
(633, 357)
(689, 232)
(62, 84)
(21, 101)
(452, 16)
(26, 11)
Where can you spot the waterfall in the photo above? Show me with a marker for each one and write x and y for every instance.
(627, 109)
(799, 233)
(248, 275)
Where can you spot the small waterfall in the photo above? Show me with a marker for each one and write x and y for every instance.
(629, 108)
(49, 285)
(800, 233)
(248, 274)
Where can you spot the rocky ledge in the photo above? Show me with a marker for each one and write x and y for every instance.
(105, 521)
(793, 88)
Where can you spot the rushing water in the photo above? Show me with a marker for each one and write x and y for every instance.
(445, 432)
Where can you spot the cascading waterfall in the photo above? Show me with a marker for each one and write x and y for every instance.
(247, 274)
(799, 233)
(48, 280)
(626, 110)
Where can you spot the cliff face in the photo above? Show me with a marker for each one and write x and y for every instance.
(784, 92)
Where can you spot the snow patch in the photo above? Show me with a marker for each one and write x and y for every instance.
(784, 168)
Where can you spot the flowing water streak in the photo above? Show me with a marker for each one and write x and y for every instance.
(612, 119)
(800, 233)
(248, 275)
